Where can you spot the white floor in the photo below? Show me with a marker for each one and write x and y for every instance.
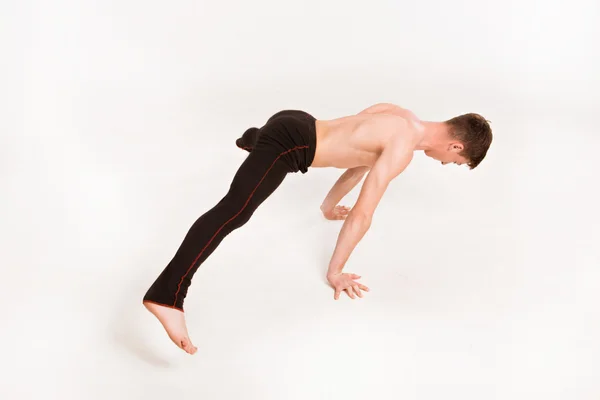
(117, 131)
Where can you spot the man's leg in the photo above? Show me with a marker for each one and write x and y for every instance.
(256, 179)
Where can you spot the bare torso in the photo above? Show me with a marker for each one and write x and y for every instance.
(358, 140)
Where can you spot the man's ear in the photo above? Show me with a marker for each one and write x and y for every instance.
(456, 147)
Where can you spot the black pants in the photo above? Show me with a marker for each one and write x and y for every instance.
(285, 144)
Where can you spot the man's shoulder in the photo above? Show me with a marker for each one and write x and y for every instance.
(398, 124)
(391, 109)
(406, 132)
(389, 120)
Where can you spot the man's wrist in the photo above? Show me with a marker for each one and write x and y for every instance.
(333, 271)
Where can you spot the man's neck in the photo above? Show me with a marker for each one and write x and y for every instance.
(434, 135)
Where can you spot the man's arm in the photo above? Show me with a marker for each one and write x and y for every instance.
(392, 161)
(342, 187)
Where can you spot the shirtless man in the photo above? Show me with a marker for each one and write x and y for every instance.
(379, 140)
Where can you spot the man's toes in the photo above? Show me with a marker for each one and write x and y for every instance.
(187, 346)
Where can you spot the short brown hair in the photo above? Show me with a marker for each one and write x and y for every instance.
(475, 133)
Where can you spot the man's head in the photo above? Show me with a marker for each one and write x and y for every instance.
(468, 138)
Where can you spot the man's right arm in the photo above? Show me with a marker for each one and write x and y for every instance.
(392, 161)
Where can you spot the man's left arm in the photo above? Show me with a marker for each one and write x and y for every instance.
(342, 187)
(392, 161)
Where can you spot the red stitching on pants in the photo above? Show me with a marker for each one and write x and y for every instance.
(231, 219)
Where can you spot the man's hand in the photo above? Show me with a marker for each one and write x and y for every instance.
(337, 213)
(345, 282)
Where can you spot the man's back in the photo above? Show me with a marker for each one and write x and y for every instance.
(358, 140)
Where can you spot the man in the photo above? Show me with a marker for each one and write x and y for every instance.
(379, 140)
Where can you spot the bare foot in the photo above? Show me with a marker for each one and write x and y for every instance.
(173, 321)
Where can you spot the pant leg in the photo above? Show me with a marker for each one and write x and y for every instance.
(257, 178)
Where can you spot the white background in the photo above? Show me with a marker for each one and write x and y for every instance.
(118, 121)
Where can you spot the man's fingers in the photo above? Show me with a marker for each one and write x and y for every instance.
(357, 290)
(342, 210)
(340, 214)
(350, 293)
(337, 294)
(363, 287)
